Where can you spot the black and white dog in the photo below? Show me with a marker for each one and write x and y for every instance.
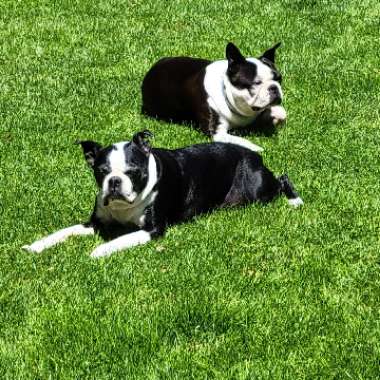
(144, 190)
(216, 96)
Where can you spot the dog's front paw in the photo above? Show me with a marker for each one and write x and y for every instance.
(278, 114)
(254, 147)
(36, 247)
(295, 202)
(103, 250)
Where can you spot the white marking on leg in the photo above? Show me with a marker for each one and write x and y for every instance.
(295, 202)
(123, 242)
(222, 135)
(58, 237)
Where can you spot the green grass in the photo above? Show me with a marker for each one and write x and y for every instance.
(255, 293)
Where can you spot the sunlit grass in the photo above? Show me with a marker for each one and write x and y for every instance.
(261, 292)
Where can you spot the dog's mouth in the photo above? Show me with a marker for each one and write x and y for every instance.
(115, 198)
(274, 102)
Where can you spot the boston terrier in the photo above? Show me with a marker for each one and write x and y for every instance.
(143, 190)
(216, 96)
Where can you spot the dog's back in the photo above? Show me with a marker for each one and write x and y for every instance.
(202, 177)
(168, 86)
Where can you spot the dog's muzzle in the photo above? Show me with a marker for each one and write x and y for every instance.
(274, 95)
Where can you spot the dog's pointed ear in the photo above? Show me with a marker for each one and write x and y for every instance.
(90, 150)
(141, 139)
(233, 54)
(270, 53)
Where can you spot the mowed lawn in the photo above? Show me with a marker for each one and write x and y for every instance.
(255, 293)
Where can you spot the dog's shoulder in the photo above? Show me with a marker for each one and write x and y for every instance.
(214, 74)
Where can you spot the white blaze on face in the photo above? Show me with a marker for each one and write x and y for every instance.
(118, 167)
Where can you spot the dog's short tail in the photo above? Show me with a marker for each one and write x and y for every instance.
(287, 188)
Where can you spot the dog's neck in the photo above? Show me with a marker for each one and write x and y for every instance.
(230, 100)
(152, 179)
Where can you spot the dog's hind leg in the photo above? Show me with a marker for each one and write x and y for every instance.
(58, 237)
(287, 188)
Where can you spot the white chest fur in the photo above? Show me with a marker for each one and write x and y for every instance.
(118, 212)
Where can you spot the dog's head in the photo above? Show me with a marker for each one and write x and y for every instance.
(123, 171)
(253, 83)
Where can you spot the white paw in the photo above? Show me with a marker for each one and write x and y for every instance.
(278, 114)
(254, 147)
(36, 247)
(230, 139)
(103, 250)
(295, 202)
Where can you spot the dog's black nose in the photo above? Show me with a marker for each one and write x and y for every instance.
(274, 94)
(273, 90)
(114, 184)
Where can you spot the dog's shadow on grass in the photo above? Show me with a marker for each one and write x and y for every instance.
(259, 129)
(263, 126)
(114, 230)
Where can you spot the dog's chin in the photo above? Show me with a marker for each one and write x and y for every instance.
(117, 202)
(274, 102)
(259, 109)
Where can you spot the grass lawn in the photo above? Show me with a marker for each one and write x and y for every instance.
(255, 293)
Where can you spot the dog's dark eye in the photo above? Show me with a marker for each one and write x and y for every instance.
(133, 174)
(257, 82)
(104, 170)
(277, 77)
